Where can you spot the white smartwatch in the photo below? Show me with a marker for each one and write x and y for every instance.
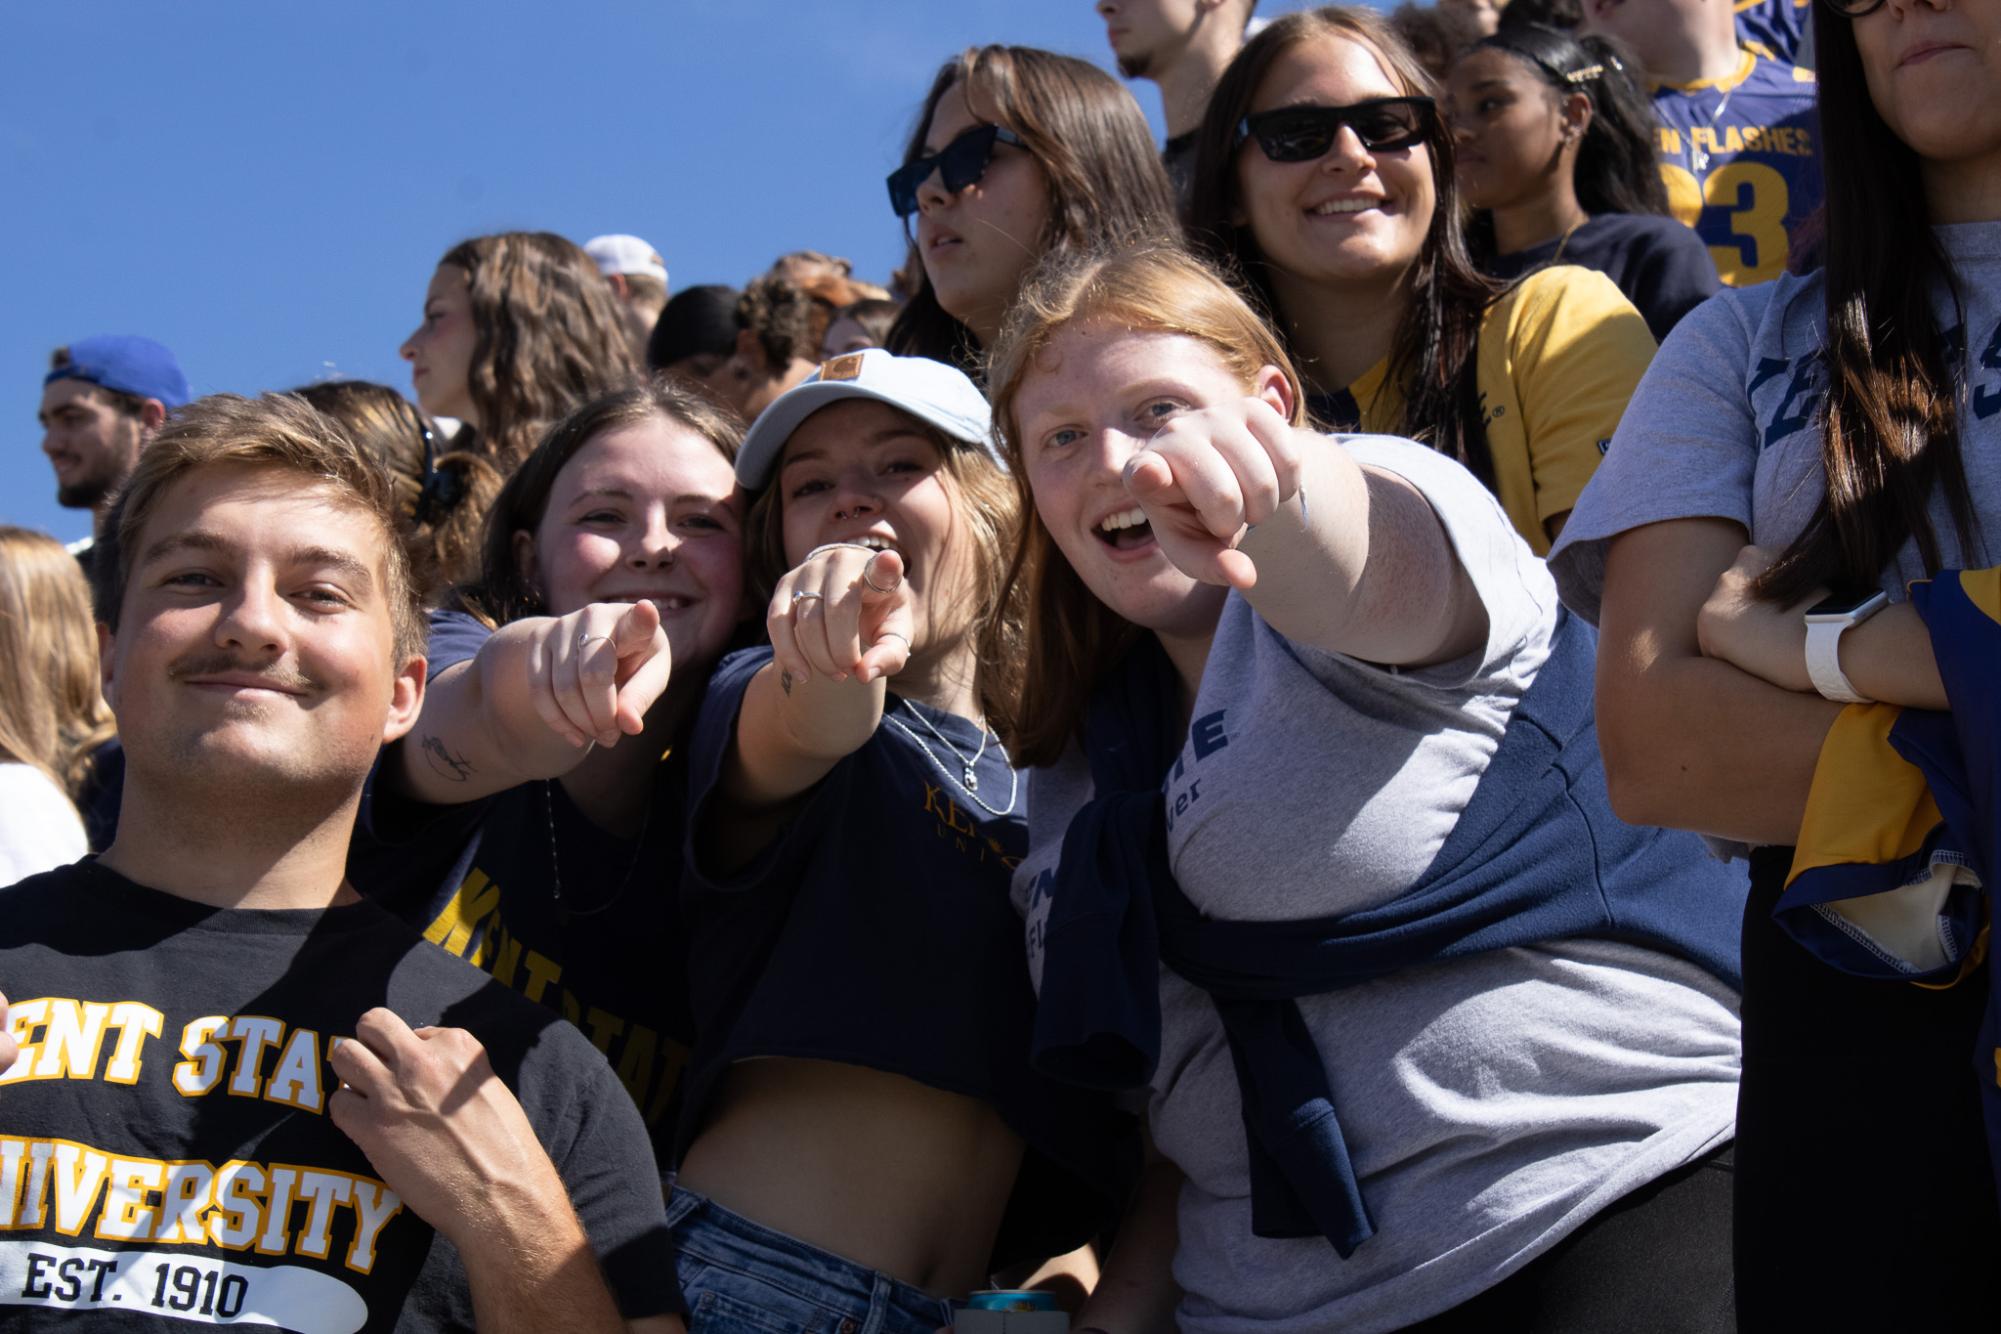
(1826, 621)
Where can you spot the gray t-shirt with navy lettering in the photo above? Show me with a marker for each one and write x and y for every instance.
(1491, 1104)
(1726, 423)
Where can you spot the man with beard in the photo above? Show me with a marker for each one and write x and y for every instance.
(1184, 46)
(102, 400)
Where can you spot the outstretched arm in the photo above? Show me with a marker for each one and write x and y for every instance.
(840, 627)
(532, 701)
(1331, 554)
(449, 1137)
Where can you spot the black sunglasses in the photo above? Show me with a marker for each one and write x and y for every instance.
(1852, 9)
(1301, 134)
(959, 164)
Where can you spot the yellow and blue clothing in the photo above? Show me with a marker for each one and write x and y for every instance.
(1779, 27)
(1907, 803)
(1741, 159)
(1560, 354)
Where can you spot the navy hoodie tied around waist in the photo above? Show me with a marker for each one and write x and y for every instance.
(1536, 856)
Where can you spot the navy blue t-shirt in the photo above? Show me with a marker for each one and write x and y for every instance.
(877, 931)
(1663, 267)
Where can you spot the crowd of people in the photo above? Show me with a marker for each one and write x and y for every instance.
(1378, 717)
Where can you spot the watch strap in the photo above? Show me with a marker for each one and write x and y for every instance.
(1823, 662)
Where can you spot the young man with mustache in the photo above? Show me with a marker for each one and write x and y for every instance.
(241, 1092)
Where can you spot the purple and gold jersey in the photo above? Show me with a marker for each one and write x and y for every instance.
(1741, 160)
(1779, 27)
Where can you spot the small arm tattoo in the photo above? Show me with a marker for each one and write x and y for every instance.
(785, 680)
(452, 768)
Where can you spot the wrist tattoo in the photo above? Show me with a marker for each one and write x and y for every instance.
(452, 768)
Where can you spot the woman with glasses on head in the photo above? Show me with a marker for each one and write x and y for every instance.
(1425, 1034)
(1828, 435)
(1017, 152)
(1555, 148)
(1324, 177)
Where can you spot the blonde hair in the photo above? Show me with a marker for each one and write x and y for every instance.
(1071, 641)
(52, 714)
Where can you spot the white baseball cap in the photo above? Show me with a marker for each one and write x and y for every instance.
(928, 390)
(619, 253)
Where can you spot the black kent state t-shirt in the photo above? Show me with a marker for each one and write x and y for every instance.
(165, 1153)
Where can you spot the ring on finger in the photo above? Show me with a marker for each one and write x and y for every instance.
(876, 586)
(586, 639)
(895, 634)
(802, 596)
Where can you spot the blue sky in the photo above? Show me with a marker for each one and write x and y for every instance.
(265, 187)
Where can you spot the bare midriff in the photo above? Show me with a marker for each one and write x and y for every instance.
(892, 1174)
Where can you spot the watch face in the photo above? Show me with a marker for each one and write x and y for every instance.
(1844, 606)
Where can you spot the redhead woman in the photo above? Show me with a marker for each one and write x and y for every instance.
(1321, 859)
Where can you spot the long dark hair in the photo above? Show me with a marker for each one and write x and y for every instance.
(1889, 430)
(1433, 355)
(1106, 184)
(1616, 169)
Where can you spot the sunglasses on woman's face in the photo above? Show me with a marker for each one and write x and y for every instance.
(958, 164)
(1301, 134)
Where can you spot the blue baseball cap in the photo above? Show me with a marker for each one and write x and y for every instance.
(128, 363)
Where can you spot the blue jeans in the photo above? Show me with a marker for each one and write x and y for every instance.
(742, 1278)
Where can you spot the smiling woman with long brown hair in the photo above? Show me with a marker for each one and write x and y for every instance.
(1017, 152)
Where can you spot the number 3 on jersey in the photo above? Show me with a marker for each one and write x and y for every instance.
(1753, 199)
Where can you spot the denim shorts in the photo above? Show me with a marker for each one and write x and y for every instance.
(742, 1278)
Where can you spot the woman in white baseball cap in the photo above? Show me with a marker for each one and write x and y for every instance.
(861, 1135)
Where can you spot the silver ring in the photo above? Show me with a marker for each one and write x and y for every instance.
(586, 639)
(878, 587)
(894, 634)
(798, 598)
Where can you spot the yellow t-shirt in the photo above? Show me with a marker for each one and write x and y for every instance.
(1559, 356)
